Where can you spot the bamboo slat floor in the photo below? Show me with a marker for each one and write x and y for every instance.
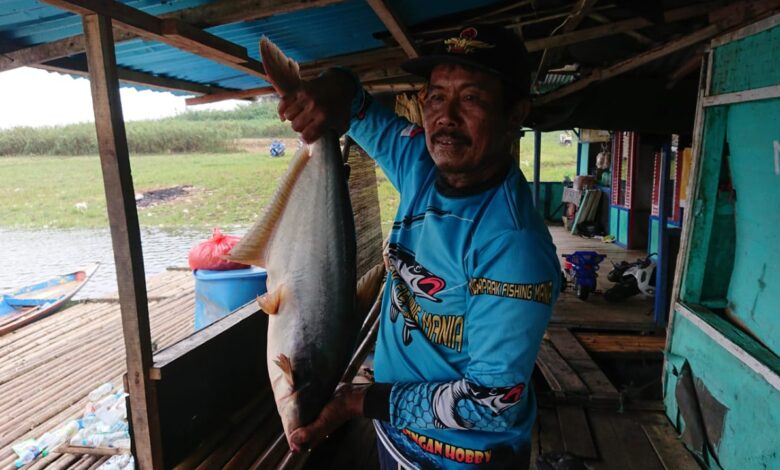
(47, 368)
(635, 313)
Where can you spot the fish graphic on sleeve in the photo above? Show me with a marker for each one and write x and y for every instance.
(419, 281)
(445, 399)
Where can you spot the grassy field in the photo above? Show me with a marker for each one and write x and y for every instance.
(226, 189)
(557, 160)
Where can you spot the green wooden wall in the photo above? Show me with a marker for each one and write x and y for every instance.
(726, 326)
(750, 432)
(746, 64)
(550, 194)
(754, 291)
(582, 159)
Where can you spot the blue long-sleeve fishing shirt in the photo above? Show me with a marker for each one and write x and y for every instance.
(472, 279)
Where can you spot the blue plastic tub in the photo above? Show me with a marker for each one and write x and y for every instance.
(218, 293)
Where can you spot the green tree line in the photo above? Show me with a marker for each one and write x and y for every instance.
(189, 132)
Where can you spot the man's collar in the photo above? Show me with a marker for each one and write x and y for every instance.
(445, 189)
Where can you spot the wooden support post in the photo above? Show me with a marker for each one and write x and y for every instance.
(125, 237)
(537, 164)
(662, 257)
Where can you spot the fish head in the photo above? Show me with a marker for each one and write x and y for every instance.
(298, 401)
(497, 399)
(421, 281)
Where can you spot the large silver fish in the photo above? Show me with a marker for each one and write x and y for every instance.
(306, 242)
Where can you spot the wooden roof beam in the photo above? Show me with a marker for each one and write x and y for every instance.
(359, 62)
(233, 11)
(371, 78)
(390, 19)
(75, 66)
(617, 27)
(249, 93)
(171, 31)
(638, 37)
(551, 55)
(731, 16)
(211, 14)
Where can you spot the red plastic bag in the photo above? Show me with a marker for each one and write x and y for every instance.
(208, 254)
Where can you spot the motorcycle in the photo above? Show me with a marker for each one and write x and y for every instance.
(631, 279)
(580, 268)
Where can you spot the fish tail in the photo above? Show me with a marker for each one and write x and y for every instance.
(283, 72)
(252, 247)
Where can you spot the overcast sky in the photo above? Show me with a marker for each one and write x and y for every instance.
(33, 97)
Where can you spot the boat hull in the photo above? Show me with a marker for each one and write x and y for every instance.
(31, 303)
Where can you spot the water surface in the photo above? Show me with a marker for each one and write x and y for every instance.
(30, 256)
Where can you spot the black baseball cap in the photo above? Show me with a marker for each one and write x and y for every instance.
(492, 49)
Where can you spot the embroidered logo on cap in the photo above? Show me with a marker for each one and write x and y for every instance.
(466, 42)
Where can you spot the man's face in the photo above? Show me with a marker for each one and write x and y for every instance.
(466, 124)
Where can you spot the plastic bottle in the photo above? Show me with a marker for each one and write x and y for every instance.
(120, 426)
(50, 440)
(99, 439)
(101, 391)
(87, 420)
(27, 456)
(110, 416)
(130, 465)
(123, 443)
(117, 462)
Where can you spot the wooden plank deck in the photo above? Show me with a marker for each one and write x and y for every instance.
(48, 367)
(611, 440)
(633, 314)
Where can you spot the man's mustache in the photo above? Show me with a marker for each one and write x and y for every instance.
(452, 135)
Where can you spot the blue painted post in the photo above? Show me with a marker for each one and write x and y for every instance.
(662, 259)
(579, 157)
(537, 163)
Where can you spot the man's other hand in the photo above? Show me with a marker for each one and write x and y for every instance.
(347, 403)
(319, 105)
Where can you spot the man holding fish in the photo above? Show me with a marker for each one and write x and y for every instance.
(473, 272)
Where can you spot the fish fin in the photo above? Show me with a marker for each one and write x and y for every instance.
(269, 302)
(368, 288)
(283, 73)
(252, 247)
(284, 363)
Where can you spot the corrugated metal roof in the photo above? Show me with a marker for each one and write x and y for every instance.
(306, 35)
(553, 81)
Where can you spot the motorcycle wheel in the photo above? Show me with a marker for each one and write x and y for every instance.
(622, 291)
(582, 292)
(563, 282)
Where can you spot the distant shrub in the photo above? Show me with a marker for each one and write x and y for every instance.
(262, 111)
(193, 131)
(147, 137)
